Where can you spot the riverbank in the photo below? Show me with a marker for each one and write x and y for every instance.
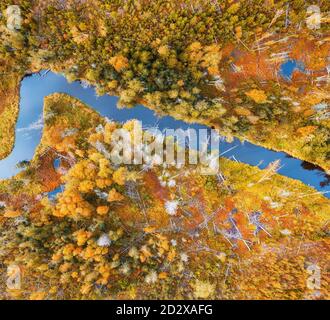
(39, 86)
(9, 110)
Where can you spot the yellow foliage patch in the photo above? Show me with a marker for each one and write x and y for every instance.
(257, 96)
(115, 196)
(119, 62)
(37, 295)
(12, 214)
(102, 210)
(305, 131)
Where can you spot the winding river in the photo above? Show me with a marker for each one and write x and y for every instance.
(30, 123)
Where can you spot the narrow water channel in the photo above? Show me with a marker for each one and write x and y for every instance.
(30, 123)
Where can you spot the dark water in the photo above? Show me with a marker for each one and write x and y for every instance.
(29, 130)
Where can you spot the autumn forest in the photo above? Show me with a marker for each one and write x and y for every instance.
(76, 223)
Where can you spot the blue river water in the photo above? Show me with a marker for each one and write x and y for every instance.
(288, 67)
(36, 87)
